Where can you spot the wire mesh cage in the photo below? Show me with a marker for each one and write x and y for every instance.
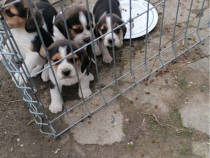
(134, 62)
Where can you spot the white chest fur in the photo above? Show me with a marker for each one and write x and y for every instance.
(23, 40)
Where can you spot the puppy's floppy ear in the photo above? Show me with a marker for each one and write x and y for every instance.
(85, 62)
(96, 32)
(30, 24)
(124, 30)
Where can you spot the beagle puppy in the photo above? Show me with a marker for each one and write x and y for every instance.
(23, 29)
(78, 25)
(102, 16)
(61, 57)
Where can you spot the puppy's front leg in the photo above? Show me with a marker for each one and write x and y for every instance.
(29, 65)
(105, 53)
(85, 86)
(31, 61)
(45, 74)
(56, 100)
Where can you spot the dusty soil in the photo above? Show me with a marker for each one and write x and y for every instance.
(152, 135)
(148, 132)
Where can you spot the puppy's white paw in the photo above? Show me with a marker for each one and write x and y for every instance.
(97, 50)
(45, 76)
(19, 78)
(107, 58)
(91, 77)
(86, 92)
(36, 69)
(55, 108)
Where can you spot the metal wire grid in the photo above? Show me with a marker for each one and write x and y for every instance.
(13, 60)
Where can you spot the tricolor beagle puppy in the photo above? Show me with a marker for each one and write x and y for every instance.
(24, 31)
(78, 25)
(102, 16)
(61, 57)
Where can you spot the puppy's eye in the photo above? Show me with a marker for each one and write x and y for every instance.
(103, 31)
(72, 60)
(9, 13)
(78, 30)
(88, 27)
(55, 60)
(117, 30)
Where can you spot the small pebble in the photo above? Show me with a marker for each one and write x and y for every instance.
(126, 120)
(21, 145)
(147, 93)
(151, 81)
(131, 102)
(18, 139)
(130, 143)
(57, 151)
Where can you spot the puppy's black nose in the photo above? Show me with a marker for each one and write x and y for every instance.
(66, 72)
(87, 39)
(110, 41)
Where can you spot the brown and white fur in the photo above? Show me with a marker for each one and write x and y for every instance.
(78, 25)
(102, 16)
(65, 71)
(23, 29)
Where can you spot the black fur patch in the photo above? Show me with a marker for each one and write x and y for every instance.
(102, 6)
(62, 43)
(51, 85)
(21, 10)
(48, 12)
(36, 42)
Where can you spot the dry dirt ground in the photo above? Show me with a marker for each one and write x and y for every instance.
(165, 116)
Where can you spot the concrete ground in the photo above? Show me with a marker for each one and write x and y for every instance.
(165, 116)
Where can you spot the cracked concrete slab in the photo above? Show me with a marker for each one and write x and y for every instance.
(104, 127)
(201, 149)
(195, 112)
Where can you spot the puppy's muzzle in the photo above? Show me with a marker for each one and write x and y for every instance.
(86, 40)
(110, 41)
(66, 72)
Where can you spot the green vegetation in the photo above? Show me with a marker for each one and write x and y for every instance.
(185, 150)
(125, 129)
(130, 145)
(140, 46)
(182, 83)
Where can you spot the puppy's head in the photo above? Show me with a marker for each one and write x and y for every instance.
(18, 15)
(77, 23)
(66, 69)
(104, 25)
